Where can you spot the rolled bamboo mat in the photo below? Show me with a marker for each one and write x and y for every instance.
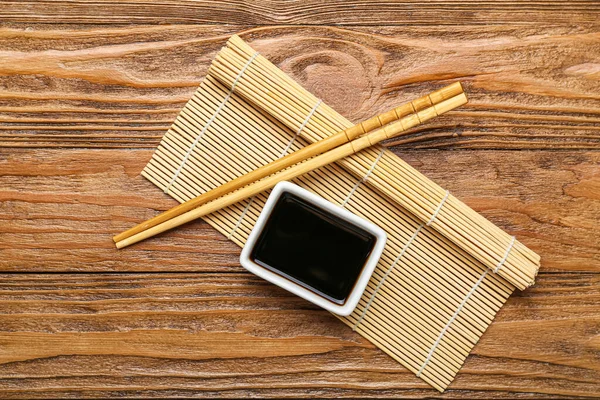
(428, 301)
(270, 89)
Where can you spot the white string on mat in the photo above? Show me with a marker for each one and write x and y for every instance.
(210, 121)
(508, 249)
(384, 277)
(363, 179)
(283, 153)
(241, 218)
(308, 117)
(437, 211)
(456, 313)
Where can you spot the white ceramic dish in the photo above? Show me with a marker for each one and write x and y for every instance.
(363, 278)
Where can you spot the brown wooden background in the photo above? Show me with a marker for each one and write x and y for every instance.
(87, 88)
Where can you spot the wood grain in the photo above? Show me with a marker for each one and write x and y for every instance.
(234, 335)
(88, 88)
(305, 12)
(103, 87)
(60, 209)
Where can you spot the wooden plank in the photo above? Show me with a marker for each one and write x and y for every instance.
(305, 12)
(60, 209)
(235, 335)
(120, 87)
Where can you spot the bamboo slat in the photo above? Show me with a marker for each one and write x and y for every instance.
(429, 299)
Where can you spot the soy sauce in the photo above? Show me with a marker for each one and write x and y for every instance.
(313, 248)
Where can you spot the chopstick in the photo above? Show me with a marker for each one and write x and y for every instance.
(307, 152)
(409, 120)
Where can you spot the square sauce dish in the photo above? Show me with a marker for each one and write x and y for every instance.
(313, 248)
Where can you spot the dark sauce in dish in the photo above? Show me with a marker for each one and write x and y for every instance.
(313, 248)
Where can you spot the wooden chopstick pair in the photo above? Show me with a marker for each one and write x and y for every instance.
(333, 148)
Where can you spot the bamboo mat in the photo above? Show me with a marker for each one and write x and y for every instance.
(428, 301)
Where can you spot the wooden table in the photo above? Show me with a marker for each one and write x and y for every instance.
(88, 88)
